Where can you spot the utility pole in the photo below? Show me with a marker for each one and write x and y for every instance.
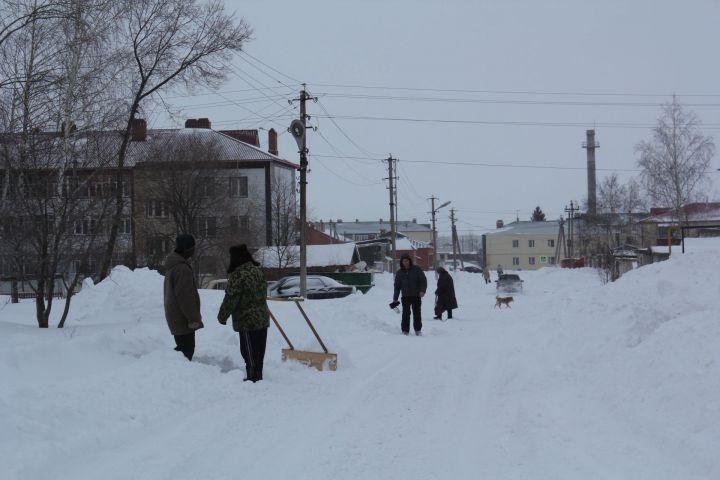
(298, 130)
(454, 240)
(434, 230)
(393, 206)
(561, 242)
(571, 215)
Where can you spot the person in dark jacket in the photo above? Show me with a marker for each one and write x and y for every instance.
(445, 292)
(410, 286)
(245, 300)
(182, 302)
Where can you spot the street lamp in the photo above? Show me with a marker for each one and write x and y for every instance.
(434, 211)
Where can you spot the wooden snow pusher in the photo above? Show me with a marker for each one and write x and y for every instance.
(320, 360)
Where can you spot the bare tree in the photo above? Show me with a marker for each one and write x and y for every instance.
(56, 73)
(184, 187)
(170, 43)
(676, 161)
(285, 224)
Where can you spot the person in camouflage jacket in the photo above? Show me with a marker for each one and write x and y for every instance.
(245, 296)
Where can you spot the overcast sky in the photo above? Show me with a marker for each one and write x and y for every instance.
(510, 86)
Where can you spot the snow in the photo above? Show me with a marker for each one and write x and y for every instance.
(578, 380)
(317, 255)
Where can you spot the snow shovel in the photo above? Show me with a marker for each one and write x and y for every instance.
(319, 360)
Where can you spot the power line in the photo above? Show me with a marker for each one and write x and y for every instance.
(711, 126)
(519, 92)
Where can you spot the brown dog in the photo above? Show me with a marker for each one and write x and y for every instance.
(500, 301)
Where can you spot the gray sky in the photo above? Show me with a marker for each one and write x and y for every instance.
(508, 71)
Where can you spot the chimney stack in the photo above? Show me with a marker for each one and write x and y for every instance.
(272, 142)
(499, 224)
(191, 123)
(590, 145)
(138, 130)
(203, 123)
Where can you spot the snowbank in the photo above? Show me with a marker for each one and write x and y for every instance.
(576, 380)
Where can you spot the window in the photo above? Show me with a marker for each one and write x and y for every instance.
(531, 260)
(86, 226)
(205, 186)
(157, 209)
(551, 260)
(205, 227)
(239, 224)
(516, 243)
(125, 227)
(551, 243)
(516, 260)
(238, 186)
(157, 246)
(531, 243)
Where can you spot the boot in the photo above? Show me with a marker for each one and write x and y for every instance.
(258, 375)
(249, 374)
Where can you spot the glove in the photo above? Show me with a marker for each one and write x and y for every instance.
(394, 304)
(222, 322)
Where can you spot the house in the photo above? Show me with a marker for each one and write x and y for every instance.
(521, 245)
(278, 262)
(699, 220)
(368, 230)
(225, 197)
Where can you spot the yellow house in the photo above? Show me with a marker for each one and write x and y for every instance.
(521, 246)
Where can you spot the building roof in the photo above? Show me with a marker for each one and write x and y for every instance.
(369, 227)
(339, 254)
(99, 149)
(696, 212)
(550, 227)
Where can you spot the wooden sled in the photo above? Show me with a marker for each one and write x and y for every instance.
(319, 360)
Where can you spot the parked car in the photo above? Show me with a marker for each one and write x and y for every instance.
(317, 287)
(472, 269)
(219, 284)
(509, 282)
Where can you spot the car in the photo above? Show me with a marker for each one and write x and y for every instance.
(219, 284)
(509, 282)
(318, 287)
(472, 269)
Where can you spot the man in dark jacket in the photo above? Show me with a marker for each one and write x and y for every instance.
(410, 286)
(182, 302)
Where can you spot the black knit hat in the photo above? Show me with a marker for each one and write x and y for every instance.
(184, 242)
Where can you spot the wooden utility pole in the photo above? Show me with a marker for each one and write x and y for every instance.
(302, 144)
(560, 241)
(452, 223)
(456, 242)
(571, 216)
(393, 207)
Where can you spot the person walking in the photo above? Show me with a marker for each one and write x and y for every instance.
(182, 302)
(410, 286)
(445, 292)
(245, 300)
(486, 274)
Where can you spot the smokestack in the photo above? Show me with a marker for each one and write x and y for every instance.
(138, 130)
(272, 142)
(590, 145)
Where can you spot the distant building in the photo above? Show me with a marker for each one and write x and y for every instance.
(521, 246)
(369, 230)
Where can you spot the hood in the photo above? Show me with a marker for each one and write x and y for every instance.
(404, 256)
(173, 259)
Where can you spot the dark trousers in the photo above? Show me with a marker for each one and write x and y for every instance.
(185, 344)
(407, 304)
(252, 349)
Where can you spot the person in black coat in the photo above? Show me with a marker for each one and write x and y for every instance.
(445, 292)
(410, 281)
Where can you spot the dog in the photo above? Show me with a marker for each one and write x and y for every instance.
(500, 301)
